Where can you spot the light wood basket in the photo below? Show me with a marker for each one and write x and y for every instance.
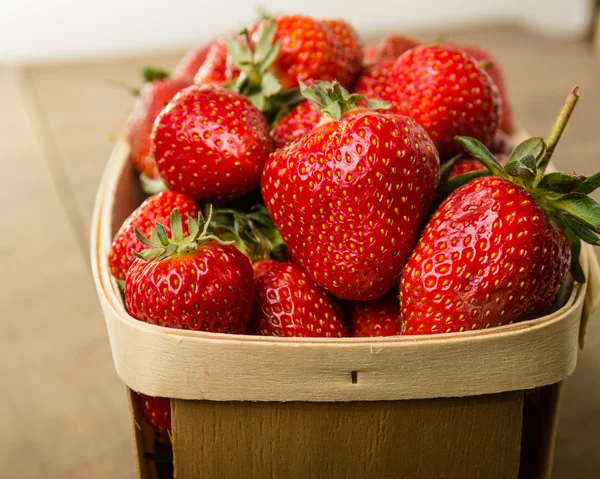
(472, 404)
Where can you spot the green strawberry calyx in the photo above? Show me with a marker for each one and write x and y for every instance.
(253, 233)
(333, 101)
(256, 80)
(563, 196)
(149, 74)
(160, 246)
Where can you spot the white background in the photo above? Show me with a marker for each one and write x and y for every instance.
(45, 30)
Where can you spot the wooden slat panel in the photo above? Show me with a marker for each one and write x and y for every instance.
(458, 438)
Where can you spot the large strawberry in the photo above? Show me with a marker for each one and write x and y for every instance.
(447, 92)
(297, 123)
(497, 249)
(379, 317)
(158, 90)
(157, 208)
(349, 197)
(211, 143)
(495, 72)
(288, 303)
(190, 282)
(388, 48)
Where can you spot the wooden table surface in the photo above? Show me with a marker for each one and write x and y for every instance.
(62, 407)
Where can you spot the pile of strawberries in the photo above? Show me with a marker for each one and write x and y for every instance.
(316, 189)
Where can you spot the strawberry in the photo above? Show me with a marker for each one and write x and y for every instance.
(156, 410)
(191, 62)
(498, 248)
(447, 92)
(190, 282)
(297, 123)
(373, 81)
(467, 165)
(211, 143)
(496, 73)
(157, 208)
(388, 48)
(150, 102)
(217, 67)
(379, 317)
(288, 303)
(351, 47)
(349, 197)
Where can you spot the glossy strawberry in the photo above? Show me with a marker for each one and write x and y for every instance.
(190, 282)
(447, 92)
(288, 303)
(468, 165)
(373, 81)
(157, 208)
(303, 118)
(349, 197)
(388, 48)
(352, 48)
(191, 62)
(217, 67)
(379, 317)
(498, 248)
(156, 410)
(152, 99)
(495, 72)
(211, 143)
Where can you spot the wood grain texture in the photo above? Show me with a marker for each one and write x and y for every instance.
(458, 438)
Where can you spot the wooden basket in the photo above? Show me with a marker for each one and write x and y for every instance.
(473, 404)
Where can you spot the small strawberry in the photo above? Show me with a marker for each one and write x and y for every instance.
(156, 410)
(447, 92)
(497, 249)
(190, 282)
(297, 123)
(352, 48)
(157, 208)
(389, 48)
(466, 165)
(211, 143)
(217, 67)
(288, 303)
(151, 100)
(191, 62)
(373, 81)
(349, 197)
(379, 317)
(496, 73)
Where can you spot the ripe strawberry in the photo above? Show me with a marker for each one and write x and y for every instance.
(156, 410)
(352, 48)
(349, 197)
(288, 303)
(373, 81)
(211, 143)
(303, 118)
(467, 165)
(190, 282)
(191, 62)
(496, 73)
(388, 48)
(497, 249)
(157, 208)
(150, 102)
(379, 317)
(448, 93)
(217, 67)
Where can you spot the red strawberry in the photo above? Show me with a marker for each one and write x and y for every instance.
(373, 81)
(303, 118)
(156, 410)
(349, 197)
(389, 48)
(496, 73)
(447, 92)
(191, 62)
(467, 165)
(217, 67)
(211, 143)
(497, 249)
(379, 317)
(150, 102)
(193, 282)
(352, 48)
(157, 208)
(287, 303)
